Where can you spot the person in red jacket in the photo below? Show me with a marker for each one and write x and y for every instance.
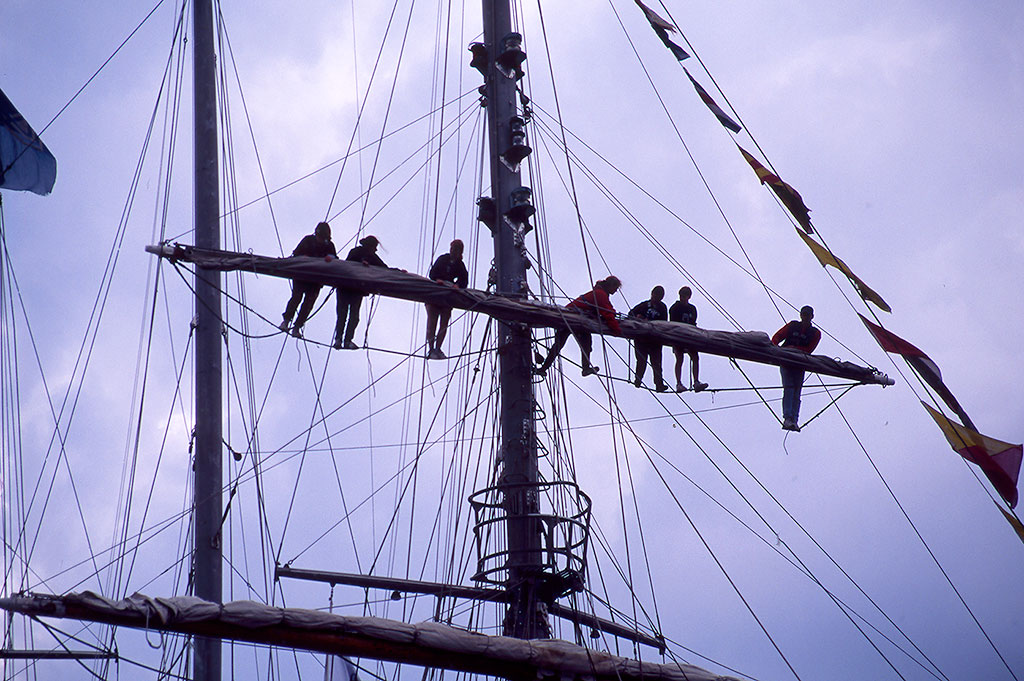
(596, 304)
(797, 335)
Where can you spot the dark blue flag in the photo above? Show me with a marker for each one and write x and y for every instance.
(25, 162)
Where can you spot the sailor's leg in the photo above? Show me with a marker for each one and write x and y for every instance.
(680, 354)
(339, 325)
(798, 385)
(695, 370)
(659, 377)
(432, 315)
(355, 300)
(445, 316)
(792, 381)
(586, 342)
(561, 336)
(640, 352)
(298, 289)
(311, 291)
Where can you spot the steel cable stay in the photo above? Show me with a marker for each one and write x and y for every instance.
(406, 478)
(550, 432)
(94, 324)
(96, 73)
(395, 477)
(366, 96)
(322, 421)
(171, 521)
(693, 160)
(927, 548)
(421, 450)
(123, 573)
(86, 348)
(797, 563)
(350, 154)
(406, 465)
(470, 112)
(23, 545)
(622, 420)
(617, 434)
(843, 293)
(144, 352)
(471, 408)
(571, 181)
(228, 52)
(251, 432)
(167, 523)
(317, 419)
(664, 251)
(429, 225)
(595, 181)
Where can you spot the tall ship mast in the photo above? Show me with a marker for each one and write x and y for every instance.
(468, 523)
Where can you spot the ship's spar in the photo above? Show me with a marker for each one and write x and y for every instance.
(752, 346)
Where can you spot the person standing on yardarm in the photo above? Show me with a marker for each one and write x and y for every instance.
(685, 312)
(450, 270)
(315, 245)
(350, 300)
(652, 310)
(796, 335)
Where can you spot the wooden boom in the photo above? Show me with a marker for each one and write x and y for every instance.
(426, 644)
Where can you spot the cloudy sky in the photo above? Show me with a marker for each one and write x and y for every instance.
(900, 124)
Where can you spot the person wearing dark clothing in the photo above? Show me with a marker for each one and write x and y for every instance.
(797, 335)
(450, 270)
(315, 245)
(596, 304)
(650, 310)
(349, 300)
(684, 312)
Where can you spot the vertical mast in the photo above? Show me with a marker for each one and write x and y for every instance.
(207, 558)
(526, 615)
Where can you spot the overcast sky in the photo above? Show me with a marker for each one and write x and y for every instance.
(900, 124)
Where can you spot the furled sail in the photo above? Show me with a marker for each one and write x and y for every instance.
(753, 346)
(428, 644)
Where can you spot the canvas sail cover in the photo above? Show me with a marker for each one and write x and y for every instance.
(754, 346)
(428, 644)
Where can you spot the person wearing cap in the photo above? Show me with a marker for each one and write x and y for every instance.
(449, 270)
(796, 335)
(350, 300)
(685, 312)
(315, 245)
(596, 304)
(652, 310)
